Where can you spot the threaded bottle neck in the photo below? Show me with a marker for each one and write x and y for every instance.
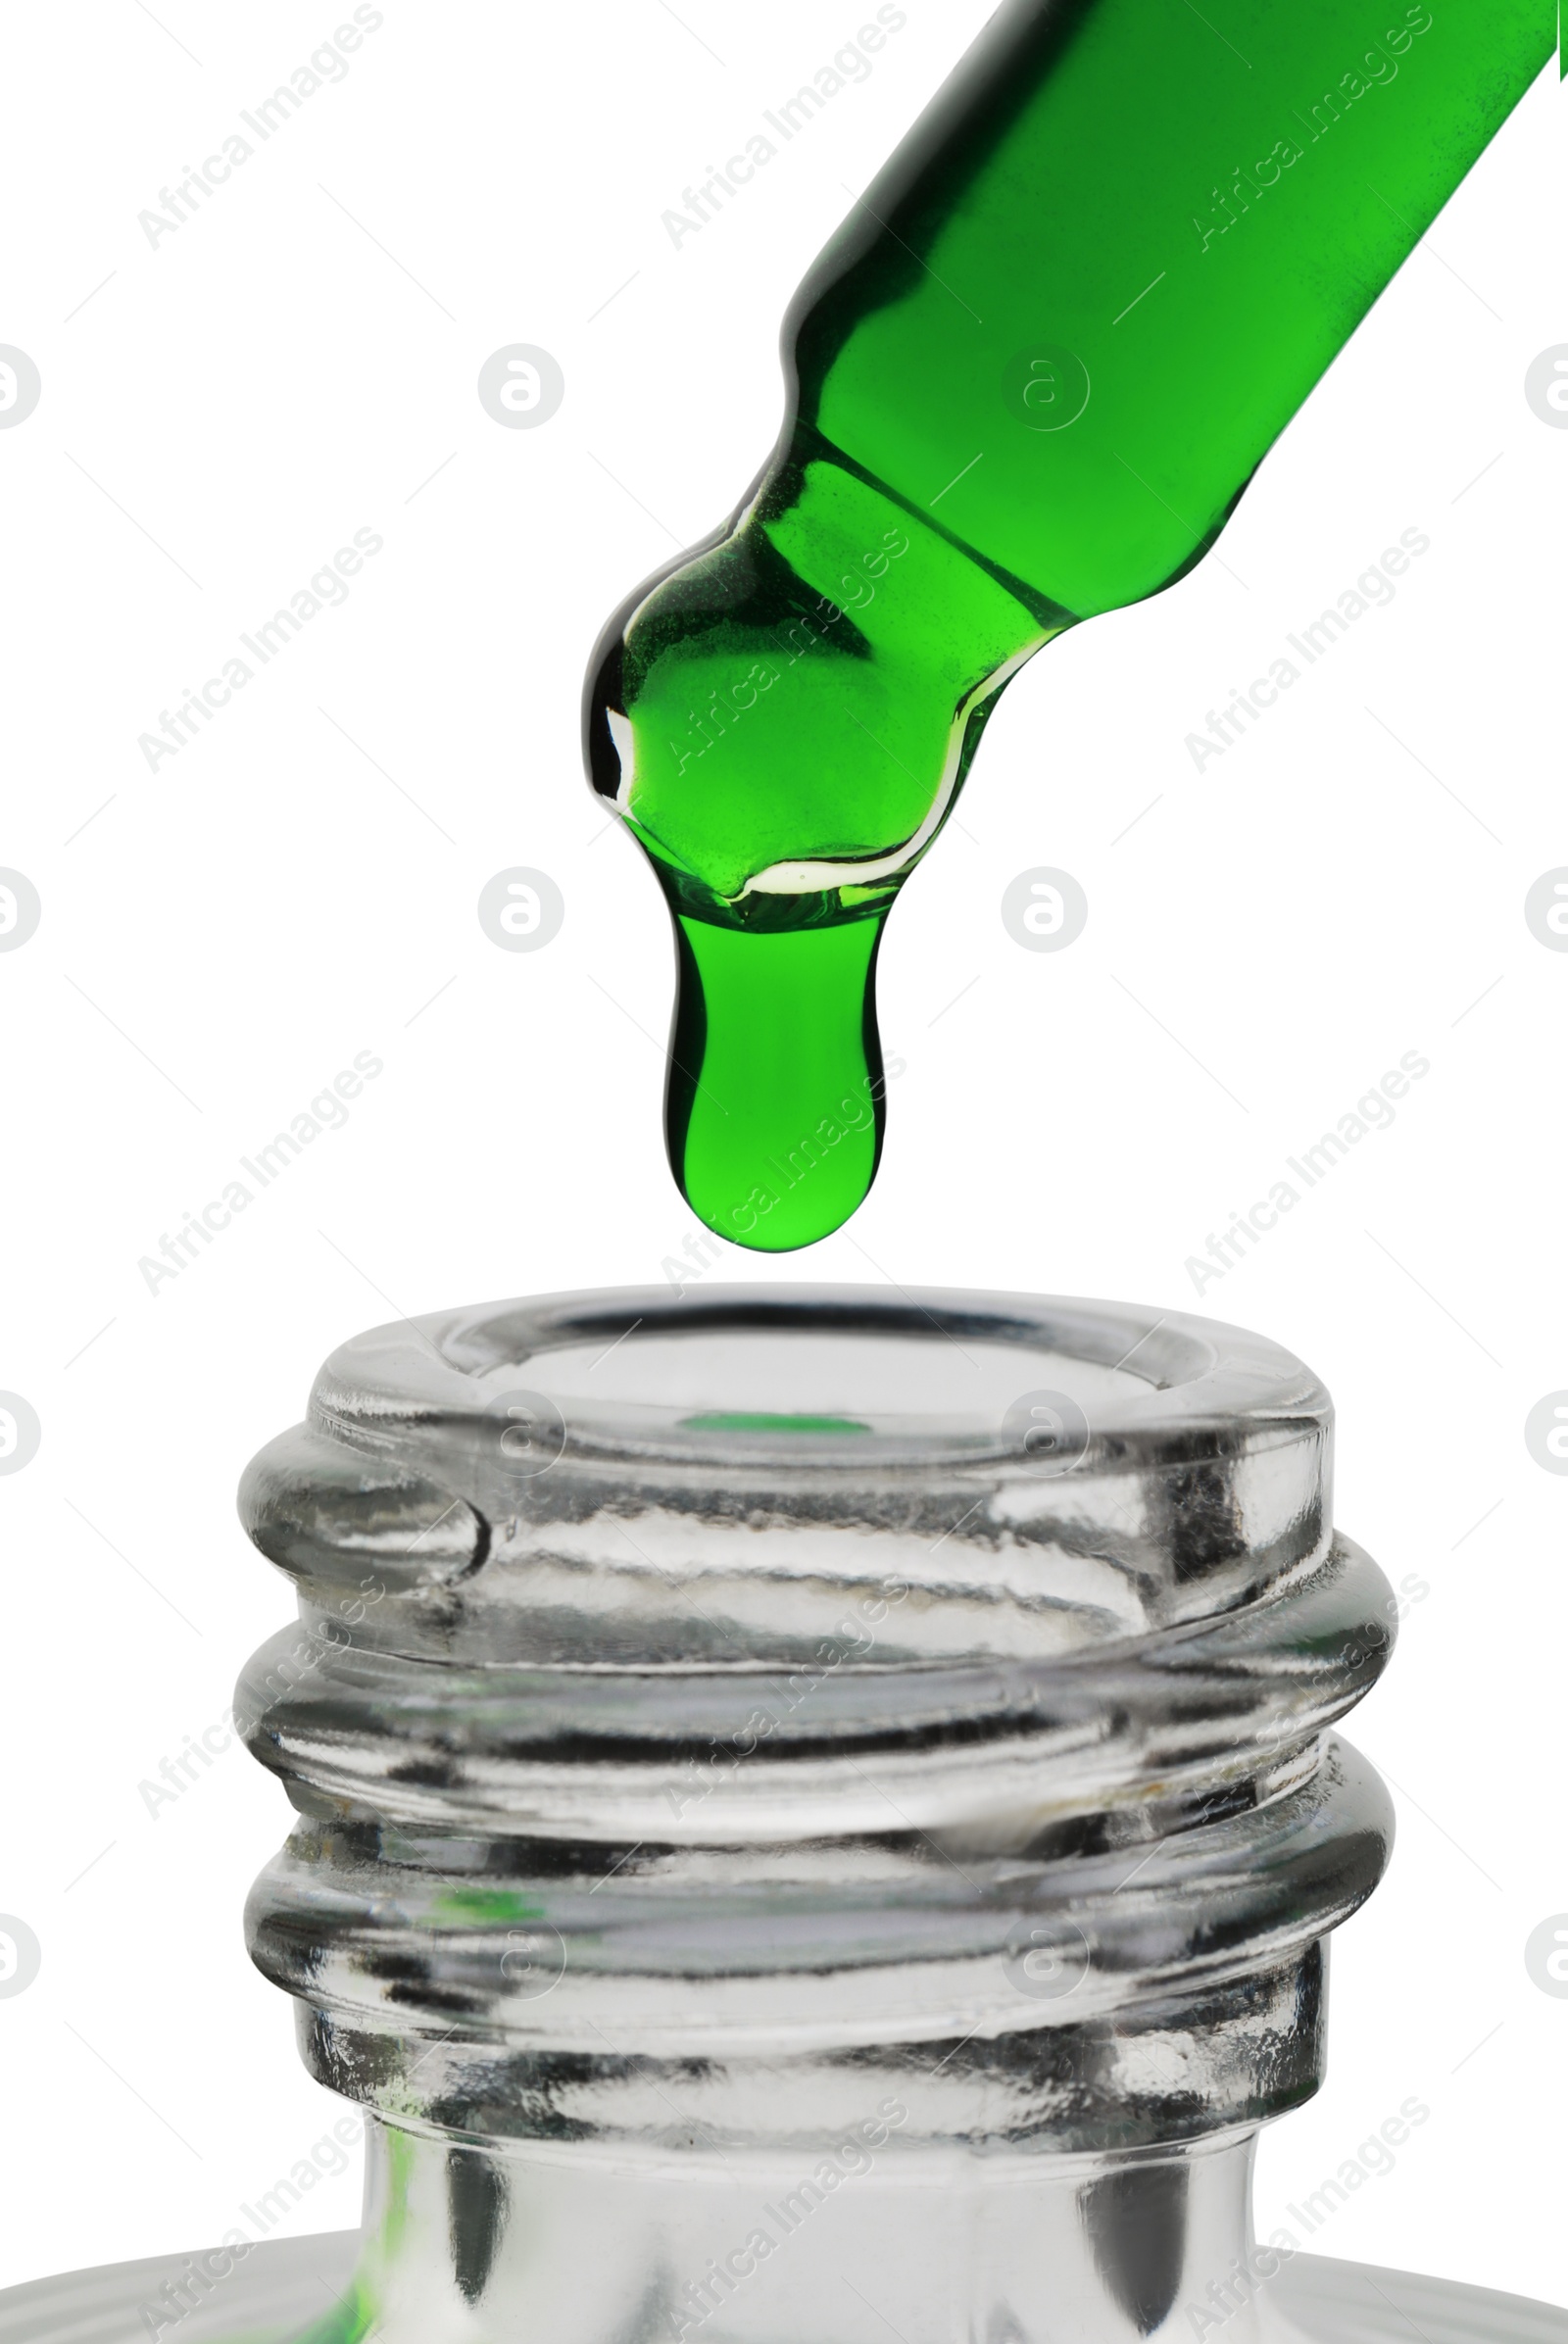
(713, 1722)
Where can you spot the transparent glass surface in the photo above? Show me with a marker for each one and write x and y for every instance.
(274, 2298)
(817, 1814)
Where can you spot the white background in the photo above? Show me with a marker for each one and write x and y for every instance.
(295, 887)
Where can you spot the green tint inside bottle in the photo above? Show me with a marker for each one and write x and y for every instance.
(1028, 380)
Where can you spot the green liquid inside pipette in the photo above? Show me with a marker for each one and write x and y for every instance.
(1027, 381)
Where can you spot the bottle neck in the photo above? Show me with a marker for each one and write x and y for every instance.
(778, 1856)
(870, 2234)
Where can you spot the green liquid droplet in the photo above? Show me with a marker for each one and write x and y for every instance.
(1027, 381)
(775, 1102)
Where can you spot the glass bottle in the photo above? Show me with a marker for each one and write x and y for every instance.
(1026, 382)
(818, 1815)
